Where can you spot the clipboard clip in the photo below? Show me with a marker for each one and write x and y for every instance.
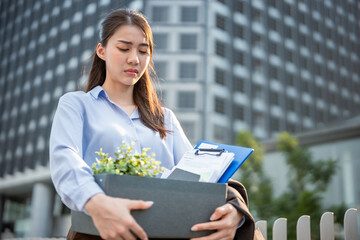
(209, 151)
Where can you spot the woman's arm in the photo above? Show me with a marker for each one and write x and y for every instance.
(71, 176)
(237, 199)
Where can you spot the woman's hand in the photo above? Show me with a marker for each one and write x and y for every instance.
(225, 220)
(112, 217)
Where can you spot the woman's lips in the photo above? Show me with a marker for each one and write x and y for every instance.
(132, 72)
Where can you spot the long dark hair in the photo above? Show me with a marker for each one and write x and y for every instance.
(145, 97)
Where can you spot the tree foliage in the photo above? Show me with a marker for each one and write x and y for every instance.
(307, 180)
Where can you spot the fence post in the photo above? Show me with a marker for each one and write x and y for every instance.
(279, 229)
(303, 231)
(262, 225)
(327, 226)
(350, 224)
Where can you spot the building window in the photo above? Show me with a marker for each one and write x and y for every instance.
(274, 72)
(257, 65)
(220, 77)
(273, 24)
(219, 105)
(290, 79)
(187, 70)
(239, 6)
(258, 92)
(161, 69)
(289, 55)
(291, 127)
(239, 84)
(306, 86)
(302, 39)
(275, 124)
(257, 40)
(317, 47)
(239, 112)
(239, 57)
(272, 3)
(275, 98)
(304, 63)
(186, 99)
(316, 25)
(161, 41)
(290, 104)
(220, 22)
(220, 49)
(238, 31)
(256, 15)
(319, 92)
(320, 115)
(189, 14)
(273, 48)
(259, 119)
(188, 41)
(160, 14)
(318, 69)
(288, 32)
(306, 110)
(287, 9)
(302, 17)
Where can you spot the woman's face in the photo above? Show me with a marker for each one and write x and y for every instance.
(126, 54)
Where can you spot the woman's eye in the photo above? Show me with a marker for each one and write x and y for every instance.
(123, 49)
(143, 52)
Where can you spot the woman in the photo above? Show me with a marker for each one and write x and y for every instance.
(119, 104)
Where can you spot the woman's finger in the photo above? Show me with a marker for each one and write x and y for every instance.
(220, 212)
(139, 231)
(139, 204)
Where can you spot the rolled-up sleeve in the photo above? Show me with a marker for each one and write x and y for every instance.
(72, 177)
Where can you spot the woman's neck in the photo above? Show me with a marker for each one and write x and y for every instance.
(121, 95)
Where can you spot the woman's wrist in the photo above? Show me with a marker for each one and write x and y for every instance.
(93, 202)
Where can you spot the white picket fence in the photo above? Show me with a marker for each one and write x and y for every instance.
(303, 232)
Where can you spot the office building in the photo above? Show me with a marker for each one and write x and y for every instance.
(263, 66)
(44, 46)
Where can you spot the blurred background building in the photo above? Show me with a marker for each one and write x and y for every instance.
(223, 65)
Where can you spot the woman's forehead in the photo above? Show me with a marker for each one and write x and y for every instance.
(131, 33)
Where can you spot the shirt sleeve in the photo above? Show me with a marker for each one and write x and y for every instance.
(72, 177)
(181, 143)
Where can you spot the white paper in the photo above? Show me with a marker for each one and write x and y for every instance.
(207, 145)
(209, 166)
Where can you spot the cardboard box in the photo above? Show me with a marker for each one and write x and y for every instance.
(178, 205)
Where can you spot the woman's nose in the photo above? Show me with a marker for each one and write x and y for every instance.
(133, 57)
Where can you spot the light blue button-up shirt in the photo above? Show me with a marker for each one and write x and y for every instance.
(84, 123)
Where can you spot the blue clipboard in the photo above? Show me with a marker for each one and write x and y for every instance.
(241, 154)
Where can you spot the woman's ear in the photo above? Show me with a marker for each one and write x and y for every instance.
(100, 51)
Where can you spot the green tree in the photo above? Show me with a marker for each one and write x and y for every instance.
(252, 175)
(307, 181)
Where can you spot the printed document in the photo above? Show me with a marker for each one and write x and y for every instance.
(209, 165)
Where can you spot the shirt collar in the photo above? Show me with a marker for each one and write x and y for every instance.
(135, 114)
(98, 90)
